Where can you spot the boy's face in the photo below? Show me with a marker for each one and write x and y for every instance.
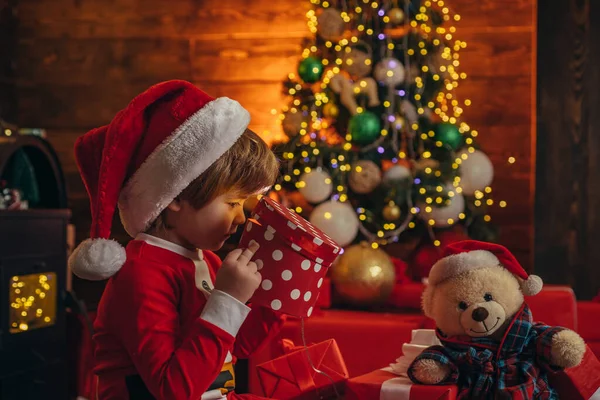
(209, 227)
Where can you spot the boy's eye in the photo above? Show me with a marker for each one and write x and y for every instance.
(234, 204)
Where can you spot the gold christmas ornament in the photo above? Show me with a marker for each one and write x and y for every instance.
(391, 212)
(363, 275)
(331, 110)
(364, 177)
(396, 16)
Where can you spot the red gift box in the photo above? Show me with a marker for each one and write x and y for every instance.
(292, 376)
(293, 258)
(581, 382)
(324, 300)
(406, 295)
(383, 384)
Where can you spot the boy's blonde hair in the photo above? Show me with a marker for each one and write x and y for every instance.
(248, 167)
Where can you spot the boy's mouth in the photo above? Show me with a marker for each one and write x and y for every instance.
(232, 232)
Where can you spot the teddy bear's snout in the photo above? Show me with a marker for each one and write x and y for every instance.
(480, 314)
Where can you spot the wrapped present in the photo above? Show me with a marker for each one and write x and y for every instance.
(324, 300)
(293, 258)
(393, 382)
(406, 295)
(314, 372)
(421, 339)
(581, 382)
(383, 384)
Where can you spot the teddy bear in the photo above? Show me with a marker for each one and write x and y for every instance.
(491, 346)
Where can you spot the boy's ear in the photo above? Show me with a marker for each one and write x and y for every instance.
(175, 205)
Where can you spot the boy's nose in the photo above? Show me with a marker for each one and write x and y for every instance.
(240, 217)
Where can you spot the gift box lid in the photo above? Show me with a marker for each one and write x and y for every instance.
(302, 236)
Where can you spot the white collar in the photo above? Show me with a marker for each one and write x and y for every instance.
(165, 244)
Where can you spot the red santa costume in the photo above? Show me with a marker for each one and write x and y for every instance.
(161, 330)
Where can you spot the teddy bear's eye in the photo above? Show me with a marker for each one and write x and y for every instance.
(488, 297)
(463, 306)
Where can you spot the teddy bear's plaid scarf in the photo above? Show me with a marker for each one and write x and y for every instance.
(515, 368)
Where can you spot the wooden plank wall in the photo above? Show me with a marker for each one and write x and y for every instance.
(8, 44)
(80, 61)
(568, 163)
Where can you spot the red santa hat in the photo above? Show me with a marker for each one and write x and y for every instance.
(152, 150)
(469, 255)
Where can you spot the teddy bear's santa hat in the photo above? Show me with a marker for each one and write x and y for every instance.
(469, 255)
(152, 150)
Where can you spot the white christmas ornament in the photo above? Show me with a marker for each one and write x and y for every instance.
(395, 174)
(476, 172)
(389, 71)
(443, 216)
(316, 186)
(337, 220)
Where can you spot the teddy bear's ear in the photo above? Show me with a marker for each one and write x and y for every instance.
(427, 300)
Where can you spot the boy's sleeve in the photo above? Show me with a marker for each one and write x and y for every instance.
(144, 299)
(262, 325)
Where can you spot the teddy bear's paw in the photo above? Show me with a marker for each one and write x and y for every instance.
(567, 349)
(430, 372)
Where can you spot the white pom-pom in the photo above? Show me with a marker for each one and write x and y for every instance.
(532, 286)
(97, 259)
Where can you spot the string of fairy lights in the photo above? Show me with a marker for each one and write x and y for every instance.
(32, 301)
(399, 130)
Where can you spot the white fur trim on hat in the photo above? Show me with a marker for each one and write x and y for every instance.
(97, 259)
(181, 158)
(460, 263)
(532, 286)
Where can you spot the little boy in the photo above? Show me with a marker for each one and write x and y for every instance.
(179, 165)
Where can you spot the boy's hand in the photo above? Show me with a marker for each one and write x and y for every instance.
(238, 276)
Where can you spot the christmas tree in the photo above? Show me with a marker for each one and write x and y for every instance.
(378, 150)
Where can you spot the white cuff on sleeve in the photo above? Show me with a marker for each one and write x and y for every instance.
(225, 311)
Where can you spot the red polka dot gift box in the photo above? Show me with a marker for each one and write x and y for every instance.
(293, 258)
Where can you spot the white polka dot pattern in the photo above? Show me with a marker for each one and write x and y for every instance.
(269, 236)
(293, 258)
(267, 284)
(286, 275)
(276, 304)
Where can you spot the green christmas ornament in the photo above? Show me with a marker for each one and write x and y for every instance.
(364, 128)
(449, 135)
(310, 69)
